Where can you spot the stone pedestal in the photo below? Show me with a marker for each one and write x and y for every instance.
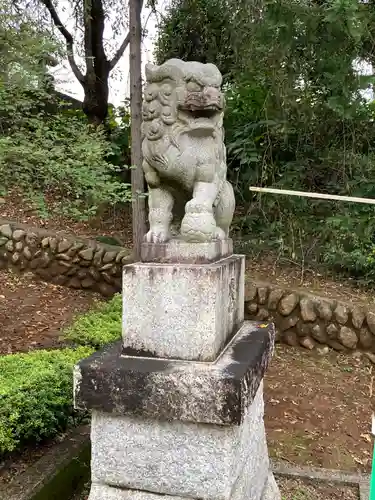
(177, 405)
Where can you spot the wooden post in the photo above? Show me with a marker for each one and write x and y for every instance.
(137, 177)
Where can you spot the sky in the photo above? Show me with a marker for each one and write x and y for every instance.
(119, 80)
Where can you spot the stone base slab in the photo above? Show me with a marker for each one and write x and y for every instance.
(218, 393)
(180, 251)
(182, 311)
(104, 492)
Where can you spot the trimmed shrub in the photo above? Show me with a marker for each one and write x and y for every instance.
(98, 327)
(36, 391)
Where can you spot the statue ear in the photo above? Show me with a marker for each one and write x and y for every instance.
(150, 71)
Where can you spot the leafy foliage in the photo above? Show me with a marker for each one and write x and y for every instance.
(45, 151)
(36, 395)
(295, 119)
(98, 327)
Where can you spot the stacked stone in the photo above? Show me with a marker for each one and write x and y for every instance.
(75, 263)
(177, 406)
(308, 320)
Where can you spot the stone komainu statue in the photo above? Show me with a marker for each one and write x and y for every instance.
(184, 153)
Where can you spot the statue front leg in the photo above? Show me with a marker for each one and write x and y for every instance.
(160, 215)
(199, 222)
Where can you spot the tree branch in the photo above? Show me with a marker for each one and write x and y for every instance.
(119, 52)
(68, 38)
(123, 46)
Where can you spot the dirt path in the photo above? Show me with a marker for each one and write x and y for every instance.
(32, 312)
(318, 409)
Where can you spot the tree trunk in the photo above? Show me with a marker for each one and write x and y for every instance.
(138, 201)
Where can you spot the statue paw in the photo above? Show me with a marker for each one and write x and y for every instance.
(195, 207)
(219, 234)
(157, 236)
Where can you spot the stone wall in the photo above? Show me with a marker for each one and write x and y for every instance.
(308, 320)
(77, 263)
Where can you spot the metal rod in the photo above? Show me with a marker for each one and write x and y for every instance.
(306, 194)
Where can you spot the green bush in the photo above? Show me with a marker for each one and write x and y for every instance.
(36, 391)
(97, 327)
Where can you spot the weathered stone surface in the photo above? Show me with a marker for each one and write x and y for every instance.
(63, 256)
(288, 303)
(358, 317)
(307, 343)
(370, 356)
(370, 318)
(303, 329)
(106, 267)
(290, 338)
(109, 257)
(191, 182)
(262, 295)
(332, 331)
(45, 242)
(18, 234)
(177, 458)
(324, 309)
(63, 246)
(307, 309)
(53, 242)
(348, 337)
(318, 333)
(336, 345)
(197, 307)
(202, 392)
(341, 314)
(87, 283)
(6, 231)
(3, 240)
(288, 322)
(274, 298)
(32, 239)
(87, 254)
(366, 338)
(121, 255)
(106, 289)
(104, 492)
(9, 246)
(263, 314)
(97, 260)
(322, 350)
(27, 253)
(271, 491)
(95, 274)
(180, 251)
(74, 283)
(18, 246)
(251, 308)
(15, 257)
(250, 293)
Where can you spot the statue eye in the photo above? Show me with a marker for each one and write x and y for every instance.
(193, 87)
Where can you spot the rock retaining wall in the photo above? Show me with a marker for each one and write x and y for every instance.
(309, 320)
(77, 263)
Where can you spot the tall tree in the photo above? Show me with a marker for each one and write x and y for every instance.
(139, 208)
(90, 17)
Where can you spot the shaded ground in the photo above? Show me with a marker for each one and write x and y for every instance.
(293, 489)
(318, 409)
(32, 312)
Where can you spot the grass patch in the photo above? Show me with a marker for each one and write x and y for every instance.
(36, 395)
(98, 327)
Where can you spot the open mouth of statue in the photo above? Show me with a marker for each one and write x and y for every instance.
(206, 112)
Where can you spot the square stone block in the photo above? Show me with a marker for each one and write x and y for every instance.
(165, 389)
(182, 311)
(180, 251)
(208, 462)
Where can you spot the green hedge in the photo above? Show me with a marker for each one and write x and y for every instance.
(98, 327)
(36, 395)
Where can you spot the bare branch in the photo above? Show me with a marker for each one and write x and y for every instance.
(123, 46)
(119, 52)
(68, 38)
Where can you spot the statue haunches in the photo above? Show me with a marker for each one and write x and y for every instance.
(184, 153)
